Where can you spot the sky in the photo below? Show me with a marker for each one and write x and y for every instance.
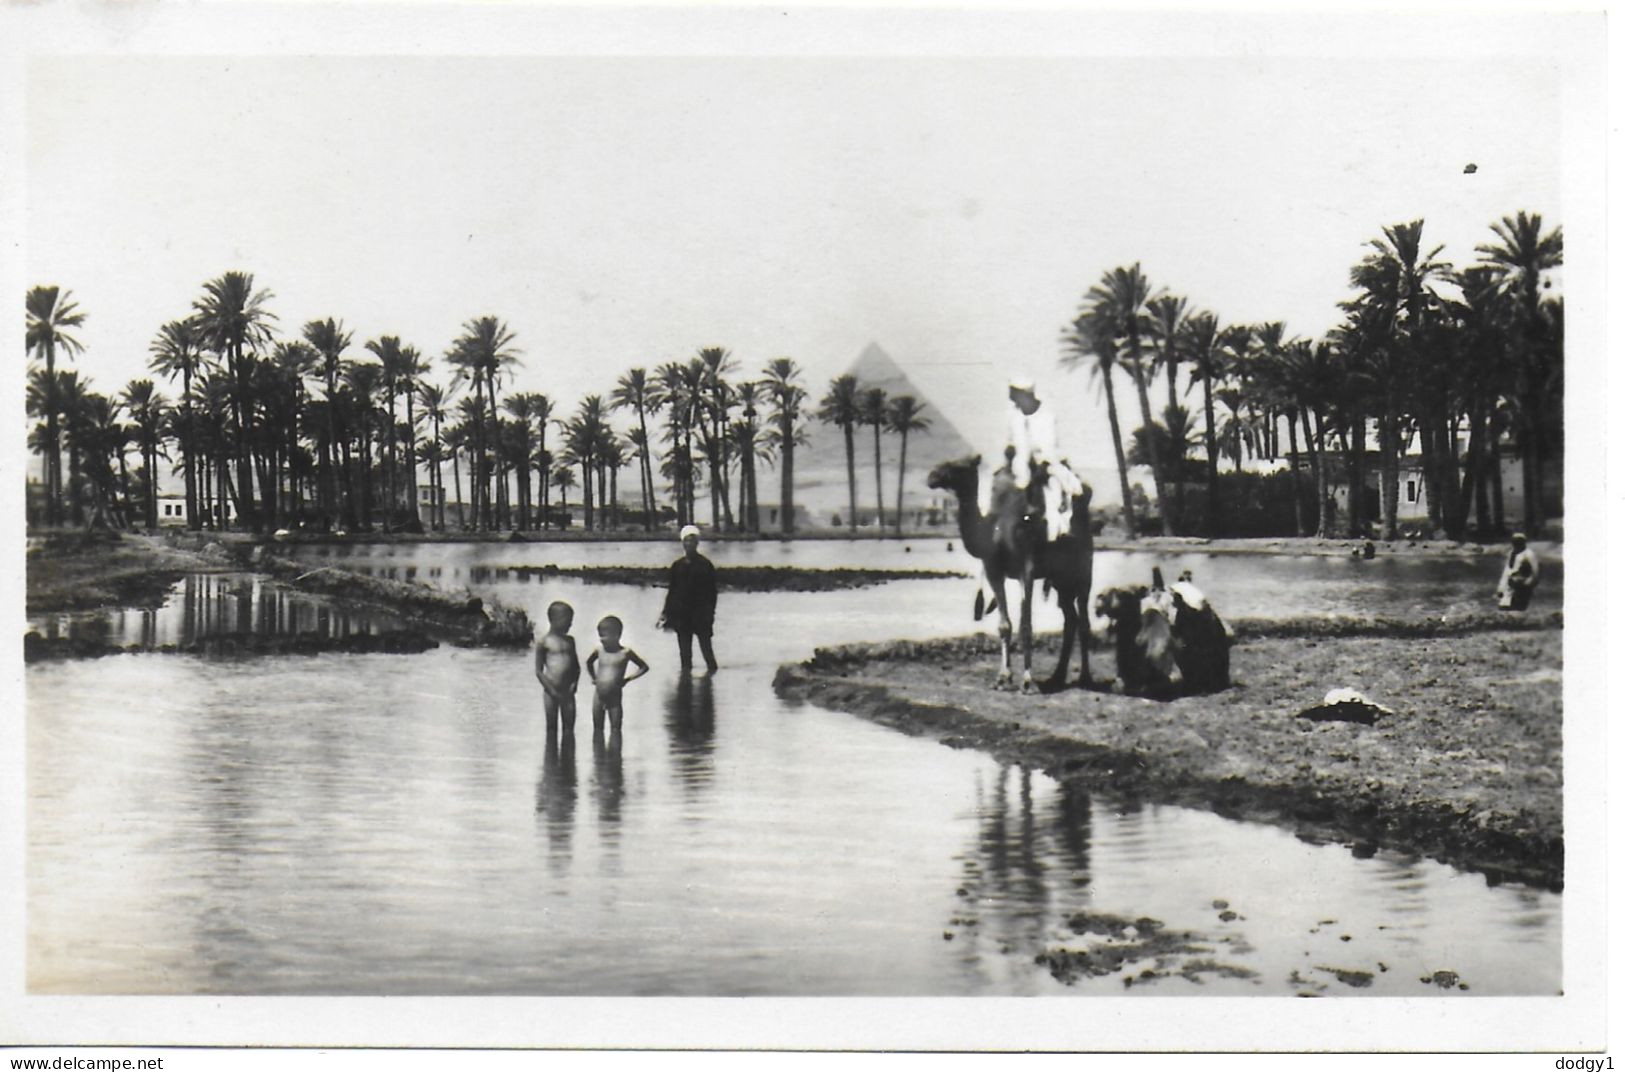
(618, 211)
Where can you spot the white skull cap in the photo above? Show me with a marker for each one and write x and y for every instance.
(1021, 383)
(689, 530)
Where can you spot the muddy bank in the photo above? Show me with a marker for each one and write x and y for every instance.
(37, 648)
(461, 618)
(81, 571)
(78, 572)
(736, 578)
(1467, 770)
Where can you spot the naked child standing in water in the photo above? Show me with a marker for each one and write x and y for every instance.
(558, 668)
(607, 666)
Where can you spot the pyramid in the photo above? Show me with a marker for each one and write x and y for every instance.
(821, 464)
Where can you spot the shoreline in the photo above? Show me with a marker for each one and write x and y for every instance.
(1468, 771)
(1110, 540)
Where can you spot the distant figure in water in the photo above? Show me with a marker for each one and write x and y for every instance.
(1519, 576)
(558, 668)
(607, 667)
(691, 602)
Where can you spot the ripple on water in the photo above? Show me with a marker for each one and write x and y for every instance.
(376, 824)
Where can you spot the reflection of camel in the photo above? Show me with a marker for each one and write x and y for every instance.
(1011, 544)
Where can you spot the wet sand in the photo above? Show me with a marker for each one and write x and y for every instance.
(1467, 770)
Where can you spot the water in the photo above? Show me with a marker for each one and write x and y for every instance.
(398, 825)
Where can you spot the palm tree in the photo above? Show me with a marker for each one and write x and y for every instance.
(1521, 260)
(51, 312)
(583, 439)
(678, 391)
(541, 408)
(1393, 307)
(1204, 345)
(564, 478)
(295, 362)
(839, 407)
(486, 348)
(433, 399)
(1091, 342)
(632, 391)
(785, 396)
(904, 414)
(522, 408)
(363, 383)
(456, 440)
(718, 394)
(1484, 318)
(233, 321)
(872, 412)
(1120, 298)
(744, 431)
(330, 341)
(178, 349)
(1167, 323)
(409, 377)
(389, 352)
(147, 410)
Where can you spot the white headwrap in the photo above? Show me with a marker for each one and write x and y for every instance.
(689, 530)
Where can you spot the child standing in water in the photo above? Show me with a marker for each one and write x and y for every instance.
(607, 666)
(557, 667)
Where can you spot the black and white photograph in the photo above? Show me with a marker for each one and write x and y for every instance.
(519, 504)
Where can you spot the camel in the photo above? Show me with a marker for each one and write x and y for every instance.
(1170, 640)
(1011, 545)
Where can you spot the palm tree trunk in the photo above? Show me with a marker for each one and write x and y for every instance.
(1357, 518)
(1214, 528)
(1117, 448)
(1388, 444)
(1328, 519)
(1138, 373)
(851, 482)
(880, 505)
(1297, 483)
(457, 486)
(787, 482)
(902, 464)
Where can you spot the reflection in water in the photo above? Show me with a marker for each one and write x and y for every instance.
(691, 723)
(388, 826)
(609, 788)
(556, 798)
(204, 606)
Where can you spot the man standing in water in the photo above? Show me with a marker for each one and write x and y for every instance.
(691, 602)
(1518, 576)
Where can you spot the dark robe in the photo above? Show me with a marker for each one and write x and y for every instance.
(691, 596)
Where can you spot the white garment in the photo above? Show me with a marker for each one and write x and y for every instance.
(1033, 436)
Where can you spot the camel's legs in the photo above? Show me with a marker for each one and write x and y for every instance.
(1080, 626)
(996, 581)
(1027, 629)
(1069, 633)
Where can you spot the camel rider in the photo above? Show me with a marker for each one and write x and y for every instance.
(1032, 434)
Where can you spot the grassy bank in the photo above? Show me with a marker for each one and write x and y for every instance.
(81, 571)
(1468, 769)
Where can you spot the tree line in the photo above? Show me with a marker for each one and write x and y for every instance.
(270, 432)
(1453, 362)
